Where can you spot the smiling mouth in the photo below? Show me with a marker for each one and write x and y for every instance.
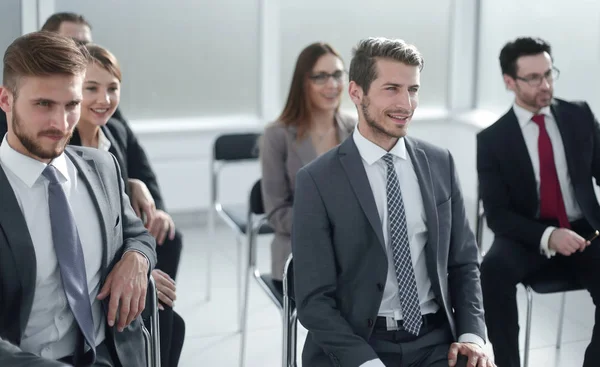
(99, 110)
(398, 118)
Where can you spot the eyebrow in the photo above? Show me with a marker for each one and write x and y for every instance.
(325, 71)
(96, 83)
(399, 85)
(38, 100)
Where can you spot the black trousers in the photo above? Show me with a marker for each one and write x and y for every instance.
(509, 263)
(399, 348)
(172, 326)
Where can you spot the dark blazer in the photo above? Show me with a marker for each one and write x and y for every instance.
(507, 183)
(340, 259)
(136, 159)
(121, 231)
(282, 154)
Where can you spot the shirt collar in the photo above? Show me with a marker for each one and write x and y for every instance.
(524, 116)
(103, 142)
(372, 152)
(26, 168)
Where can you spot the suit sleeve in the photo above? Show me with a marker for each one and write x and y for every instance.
(596, 142)
(138, 164)
(276, 188)
(493, 191)
(463, 267)
(315, 279)
(11, 355)
(135, 236)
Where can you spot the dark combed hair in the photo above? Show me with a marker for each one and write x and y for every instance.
(55, 20)
(42, 54)
(524, 46)
(363, 70)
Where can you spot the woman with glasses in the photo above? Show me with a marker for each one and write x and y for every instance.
(310, 125)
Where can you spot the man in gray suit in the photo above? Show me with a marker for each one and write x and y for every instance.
(386, 267)
(74, 258)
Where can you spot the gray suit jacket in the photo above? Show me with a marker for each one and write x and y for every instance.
(121, 231)
(281, 156)
(340, 259)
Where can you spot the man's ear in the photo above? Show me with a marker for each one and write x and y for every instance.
(6, 99)
(356, 93)
(509, 82)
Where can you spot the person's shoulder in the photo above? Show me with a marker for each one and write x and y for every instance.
(100, 157)
(492, 130)
(426, 146)
(276, 128)
(347, 121)
(578, 105)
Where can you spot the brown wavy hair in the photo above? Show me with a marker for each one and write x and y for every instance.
(297, 111)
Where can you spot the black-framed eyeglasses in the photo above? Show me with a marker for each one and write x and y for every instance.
(322, 78)
(536, 80)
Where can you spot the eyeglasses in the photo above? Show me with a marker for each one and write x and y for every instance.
(322, 78)
(536, 80)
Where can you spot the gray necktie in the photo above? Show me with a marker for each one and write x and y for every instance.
(409, 297)
(70, 258)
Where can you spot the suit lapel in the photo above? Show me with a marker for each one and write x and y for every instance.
(568, 139)
(352, 163)
(519, 155)
(19, 240)
(423, 172)
(87, 170)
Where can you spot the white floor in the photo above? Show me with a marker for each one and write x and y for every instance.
(212, 338)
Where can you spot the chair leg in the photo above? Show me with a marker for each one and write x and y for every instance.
(528, 326)
(238, 277)
(292, 339)
(209, 245)
(561, 320)
(246, 295)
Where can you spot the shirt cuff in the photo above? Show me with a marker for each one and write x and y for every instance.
(373, 363)
(139, 252)
(545, 242)
(471, 338)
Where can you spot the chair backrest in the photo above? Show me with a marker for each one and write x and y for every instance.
(236, 147)
(257, 206)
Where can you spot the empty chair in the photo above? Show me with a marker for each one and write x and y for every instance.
(256, 221)
(230, 149)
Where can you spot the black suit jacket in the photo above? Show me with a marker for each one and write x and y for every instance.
(121, 231)
(134, 155)
(507, 183)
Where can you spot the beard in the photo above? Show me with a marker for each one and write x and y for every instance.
(533, 101)
(31, 144)
(378, 127)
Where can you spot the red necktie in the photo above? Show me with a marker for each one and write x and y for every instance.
(552, 205)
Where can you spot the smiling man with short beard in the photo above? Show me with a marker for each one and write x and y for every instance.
(385, 265)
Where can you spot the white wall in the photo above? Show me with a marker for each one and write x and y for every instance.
(571, 27)
(10, 24)
(343, 24)
(183, 58)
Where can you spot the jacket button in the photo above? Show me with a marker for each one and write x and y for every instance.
(380, 287)
(370, 322)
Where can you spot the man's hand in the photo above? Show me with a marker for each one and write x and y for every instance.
(126, 284)
(161, 224)
(165, 288)
(476, 355)
(566, 242)
(141, 200)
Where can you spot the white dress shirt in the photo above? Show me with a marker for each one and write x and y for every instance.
(530, 132)
(416, 222)
(51, 330)
(103, 142)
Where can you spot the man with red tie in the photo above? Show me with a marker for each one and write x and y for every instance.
(535, 167)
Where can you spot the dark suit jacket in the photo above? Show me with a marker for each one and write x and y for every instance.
(121, 231)
(137, 162)
(340, 259)
(507, 183)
